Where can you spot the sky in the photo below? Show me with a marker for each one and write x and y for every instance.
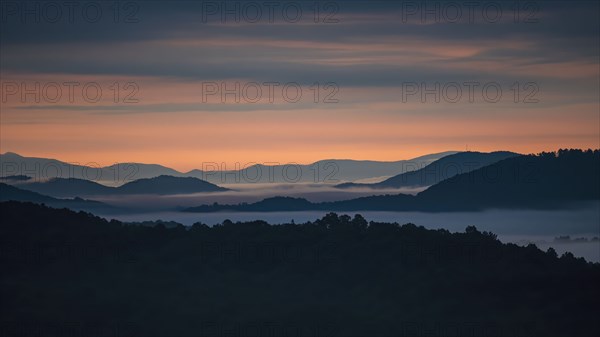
(181, 83)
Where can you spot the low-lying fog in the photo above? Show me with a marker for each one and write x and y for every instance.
(246, 193)
(516, 226)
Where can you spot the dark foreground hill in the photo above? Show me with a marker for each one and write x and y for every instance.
(67, 273)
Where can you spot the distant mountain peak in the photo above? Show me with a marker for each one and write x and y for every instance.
(11, 154)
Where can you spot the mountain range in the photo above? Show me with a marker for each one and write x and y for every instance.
(544, 181)
(162, 185)
(328, 171)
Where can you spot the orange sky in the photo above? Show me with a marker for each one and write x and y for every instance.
(369, 55)
(384, 129)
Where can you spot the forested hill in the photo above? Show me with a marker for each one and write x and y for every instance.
(441, 169)
(541, 181)
(338, 275)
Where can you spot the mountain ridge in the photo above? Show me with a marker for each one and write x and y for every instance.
(161, 185)
(544, 181)
(441, 169)
(12, 193)
(326, 170)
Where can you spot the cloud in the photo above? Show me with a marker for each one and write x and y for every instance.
(369, 54)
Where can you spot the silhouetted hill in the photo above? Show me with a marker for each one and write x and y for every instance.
(45, 168)
(274, 204)
(338, 275)
(545, 181)
(398, 202)
(59, 187)
(542, 181)
(132, 171)
(329, 171)
(71, 187)
(16, 178)
(282, 203)
(168, 185)
(441, 169)
(8, 192)
(11, 193)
